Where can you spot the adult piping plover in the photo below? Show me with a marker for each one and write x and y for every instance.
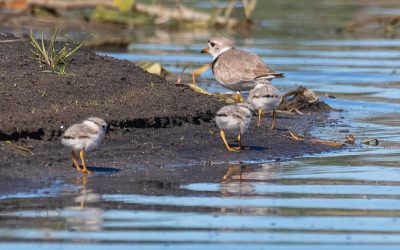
(235, 117)
(265, 97)
(82, 137)
(236, 69)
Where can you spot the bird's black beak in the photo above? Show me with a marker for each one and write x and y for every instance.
(204, 51)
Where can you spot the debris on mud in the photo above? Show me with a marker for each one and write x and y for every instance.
(303, 99)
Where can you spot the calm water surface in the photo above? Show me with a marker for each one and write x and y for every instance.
(346, 200)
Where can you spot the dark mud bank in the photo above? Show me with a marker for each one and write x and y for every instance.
(153, 123)
(35, 103)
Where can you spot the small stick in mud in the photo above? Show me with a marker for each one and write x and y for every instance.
(82, 137)
(23, 149)
(295, 110)
(179, 80)
(370, 141)
(297, 137)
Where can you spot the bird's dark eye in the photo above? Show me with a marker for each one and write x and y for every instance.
(212, 44)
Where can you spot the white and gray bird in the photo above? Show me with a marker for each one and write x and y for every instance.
(236, 118)
(82, 137)
(265, 97)
(237, 69)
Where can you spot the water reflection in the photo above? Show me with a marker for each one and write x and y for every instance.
(261, 172)
(83, 217)
(252, 204)
(239, 179)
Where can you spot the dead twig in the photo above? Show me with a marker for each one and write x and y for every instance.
(295, 110)
(20, 148)
(350, 139)
(200, 70)
(371, 142)
(248, 8)
(297, 137)
(179, 80)
(328, 143)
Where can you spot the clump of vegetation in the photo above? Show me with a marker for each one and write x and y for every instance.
(248, 8)
(53, 58)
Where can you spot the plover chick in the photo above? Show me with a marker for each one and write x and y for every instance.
(237, 69)
(82, 137)
(265, 97)
(235, 118)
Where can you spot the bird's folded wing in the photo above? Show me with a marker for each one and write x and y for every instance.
(79, 131)
(236, 65)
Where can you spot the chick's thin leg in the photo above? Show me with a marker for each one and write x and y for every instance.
(82, 155)
(238, 97)
(239, 139)
(222, 133)
(259, 111)
(75, 162)
(273, 119)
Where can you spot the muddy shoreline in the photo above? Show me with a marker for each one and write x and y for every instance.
(154, 124)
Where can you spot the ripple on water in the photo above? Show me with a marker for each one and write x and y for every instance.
(284, 203)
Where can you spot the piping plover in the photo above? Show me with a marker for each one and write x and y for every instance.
(237, 69)
(82, 137)
(265, 97)
(236, 117)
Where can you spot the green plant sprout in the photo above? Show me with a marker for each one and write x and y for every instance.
(56, 60)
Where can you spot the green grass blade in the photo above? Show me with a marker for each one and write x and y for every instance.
(53, 58)
(34, 42)
(39, 52)
(75, 49)
(44, 53)
(53, 40)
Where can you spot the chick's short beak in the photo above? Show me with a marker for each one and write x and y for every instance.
(204, 51)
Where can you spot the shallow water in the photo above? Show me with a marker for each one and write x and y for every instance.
(347, 200)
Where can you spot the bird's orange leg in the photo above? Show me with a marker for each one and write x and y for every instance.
(238, 97)
(222, 133)
(273, 119)
(75, 162)
(82, 155)
(240, 142)
(259, 117)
